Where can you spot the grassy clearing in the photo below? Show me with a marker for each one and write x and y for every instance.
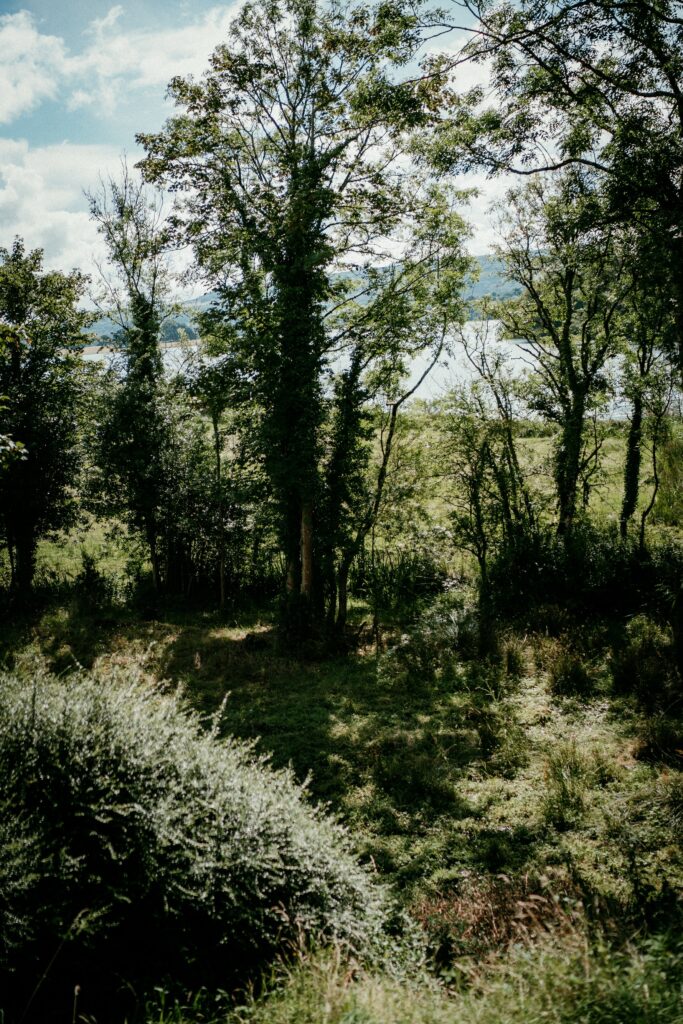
(527, 812)
(445, 783)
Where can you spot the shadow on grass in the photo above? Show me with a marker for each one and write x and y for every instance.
(390, 759)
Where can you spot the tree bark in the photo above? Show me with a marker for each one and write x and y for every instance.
(221, 525)
(24, 562)
(307, 550)
(342, 594)
(568, 466)
(632, 465)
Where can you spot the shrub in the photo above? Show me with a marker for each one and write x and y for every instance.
(662, 740)
(502, 741)
(514, 659)
(644, 663)
(392, 580)
(143, 847)
(94, 588)
(568, 675)
(445, 630)
(544, 581)
(669, 504)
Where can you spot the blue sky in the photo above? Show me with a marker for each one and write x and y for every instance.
(77, 81)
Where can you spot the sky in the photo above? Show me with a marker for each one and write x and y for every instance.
(77, 81)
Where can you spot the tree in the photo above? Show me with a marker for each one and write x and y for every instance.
(491, 505)
(598, 85)
(288, 158)
(568, 318)
(42, 379)
(646, 375)
(135, 431)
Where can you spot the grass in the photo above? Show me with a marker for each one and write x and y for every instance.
(563, 979)
(527, 814)
(443, 783)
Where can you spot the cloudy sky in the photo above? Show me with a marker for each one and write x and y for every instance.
(77, 81)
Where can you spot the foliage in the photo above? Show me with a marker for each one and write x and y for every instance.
(290, 159)
(394, 581)
(571, 267)
(567, 769)
(569, 676)
(133, 434)
(644, 664)
(491, 506)
(43, 383)
(668, 507)
(593, 573)
(560, 96)
(145, 847)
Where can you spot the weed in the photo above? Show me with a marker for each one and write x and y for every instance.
(661, 739)
(514, 658)
(562, 979)
(566, 780)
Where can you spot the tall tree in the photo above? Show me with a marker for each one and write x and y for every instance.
(135, 432)
(646, 376)
(568, 318)
(596, 84)
(288, 156)
(41, 378)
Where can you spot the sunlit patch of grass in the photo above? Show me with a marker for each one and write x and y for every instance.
(561, 980)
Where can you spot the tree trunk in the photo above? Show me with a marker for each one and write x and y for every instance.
(307, 550)
(655, 489)
(342, 595)
(24, 562)
(221, 525)
(632, 465)
(568, 466)
(154, 558)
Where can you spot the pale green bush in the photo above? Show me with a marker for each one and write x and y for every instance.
(140, 845)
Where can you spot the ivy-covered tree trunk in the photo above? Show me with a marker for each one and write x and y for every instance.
(632, 465)
(292, 152)
(568, 467)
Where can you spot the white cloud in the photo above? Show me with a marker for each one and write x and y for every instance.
(113, 62)
(147, 58)
(31, 65)
(98, 26)
(41, 199)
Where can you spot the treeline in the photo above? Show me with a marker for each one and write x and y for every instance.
(312, 176)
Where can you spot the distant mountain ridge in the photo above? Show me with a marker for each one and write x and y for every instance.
(492, 282)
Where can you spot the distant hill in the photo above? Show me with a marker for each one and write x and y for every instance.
(492, 281)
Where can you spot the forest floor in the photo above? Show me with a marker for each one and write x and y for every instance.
(512, 822)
